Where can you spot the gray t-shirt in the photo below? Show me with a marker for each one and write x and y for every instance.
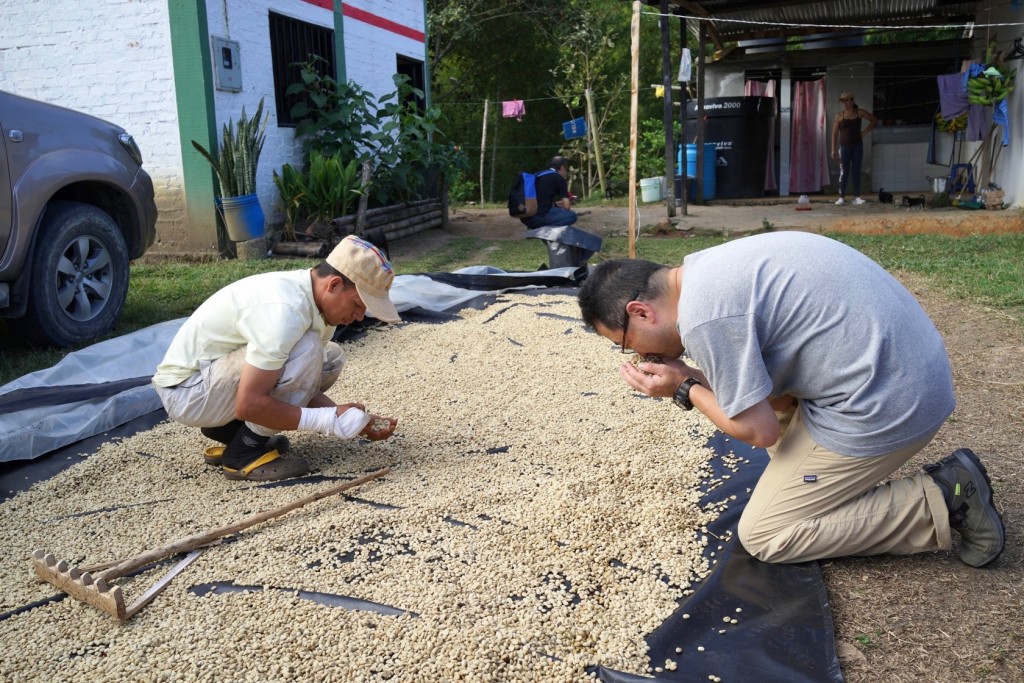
(801, 314)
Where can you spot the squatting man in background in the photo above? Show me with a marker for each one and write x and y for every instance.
(806, 347)
(554, 201)
(256, 358)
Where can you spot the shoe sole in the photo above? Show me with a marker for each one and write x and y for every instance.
(973, 464)
(275, 470)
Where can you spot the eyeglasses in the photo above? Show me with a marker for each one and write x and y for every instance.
(625, 323)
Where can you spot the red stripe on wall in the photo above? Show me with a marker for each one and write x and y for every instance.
(381, 22)
(372, 19)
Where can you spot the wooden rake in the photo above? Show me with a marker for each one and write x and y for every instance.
(97, 591)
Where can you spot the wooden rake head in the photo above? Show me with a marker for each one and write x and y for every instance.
(80, 585)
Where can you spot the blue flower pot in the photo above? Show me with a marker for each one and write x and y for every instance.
(243, 217)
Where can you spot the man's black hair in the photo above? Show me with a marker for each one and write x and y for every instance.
(325, 269)
(559, 162)
(613, 284)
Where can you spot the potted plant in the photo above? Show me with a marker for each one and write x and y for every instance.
(235, 167)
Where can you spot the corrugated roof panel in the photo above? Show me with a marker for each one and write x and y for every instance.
(763, 19)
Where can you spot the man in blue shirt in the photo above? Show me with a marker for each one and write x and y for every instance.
(553, 198)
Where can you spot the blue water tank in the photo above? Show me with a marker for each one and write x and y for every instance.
(708, 177)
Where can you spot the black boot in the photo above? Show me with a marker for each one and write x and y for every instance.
(223, 434)
(249, 448)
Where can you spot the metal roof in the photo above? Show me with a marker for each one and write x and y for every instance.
(744, 20)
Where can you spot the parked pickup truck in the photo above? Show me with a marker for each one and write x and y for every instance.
(76, 208)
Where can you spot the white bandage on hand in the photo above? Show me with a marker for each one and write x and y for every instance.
(350, 423)
(319, 420)
(326, 421)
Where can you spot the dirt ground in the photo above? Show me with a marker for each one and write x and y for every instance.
(927, 617)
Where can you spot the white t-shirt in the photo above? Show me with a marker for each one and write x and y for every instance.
(266, 313)
(801, 314)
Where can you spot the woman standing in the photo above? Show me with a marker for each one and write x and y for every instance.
(848, 144)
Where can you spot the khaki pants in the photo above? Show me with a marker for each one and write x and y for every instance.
(843, 511)
(207, 398)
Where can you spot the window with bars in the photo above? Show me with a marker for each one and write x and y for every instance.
(292, 43)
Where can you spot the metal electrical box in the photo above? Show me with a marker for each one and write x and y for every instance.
(227, 64)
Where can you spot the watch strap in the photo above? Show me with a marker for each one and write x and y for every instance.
(681, 397)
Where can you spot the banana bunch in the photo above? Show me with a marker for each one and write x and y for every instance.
(953, 125)
(991, 86)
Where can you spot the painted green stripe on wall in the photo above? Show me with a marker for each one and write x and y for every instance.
(339, 43)
(197, 118)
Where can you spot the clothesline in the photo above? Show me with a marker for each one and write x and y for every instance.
(782, 24)
(479, 103)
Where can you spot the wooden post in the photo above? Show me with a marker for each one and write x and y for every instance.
(702, 44)
(633, 107)
(682, 116)
(494, 148)
(483, 147)
(597, 143)
(668, 117)
(364, 197)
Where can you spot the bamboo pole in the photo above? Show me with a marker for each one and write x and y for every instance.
(483, 147)
(633, 107)
(682, 119)
(596, 142)
(668, 117)
(702, 44)
(494, 146)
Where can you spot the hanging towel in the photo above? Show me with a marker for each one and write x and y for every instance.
(513, 109)
(685, 66)
(659, 91)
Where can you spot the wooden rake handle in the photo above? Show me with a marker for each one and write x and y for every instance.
(95, 590)
(203, 537)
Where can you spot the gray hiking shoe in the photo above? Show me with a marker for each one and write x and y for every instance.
(968, 493)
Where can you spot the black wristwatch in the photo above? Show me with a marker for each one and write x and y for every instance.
(682, 396)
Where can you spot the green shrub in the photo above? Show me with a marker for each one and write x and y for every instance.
(402, 142)
(326, 190)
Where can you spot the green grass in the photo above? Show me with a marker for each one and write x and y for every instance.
(983, 268)
(987, 269)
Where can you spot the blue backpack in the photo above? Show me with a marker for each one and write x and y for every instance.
(522, 197)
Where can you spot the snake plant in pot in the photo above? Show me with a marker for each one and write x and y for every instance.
(235, 167)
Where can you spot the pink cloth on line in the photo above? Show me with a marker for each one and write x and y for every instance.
(513, 109)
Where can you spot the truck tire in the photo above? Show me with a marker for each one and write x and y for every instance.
(79, 279)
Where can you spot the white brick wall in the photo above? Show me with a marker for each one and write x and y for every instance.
(371, 52)
(112, 59)
(370, 56)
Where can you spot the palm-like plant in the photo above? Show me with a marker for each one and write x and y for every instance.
(239, 153)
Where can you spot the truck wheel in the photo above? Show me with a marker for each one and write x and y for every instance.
(79, 278)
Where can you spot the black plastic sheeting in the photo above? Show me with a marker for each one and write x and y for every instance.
(784, 631)
(328, 599)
